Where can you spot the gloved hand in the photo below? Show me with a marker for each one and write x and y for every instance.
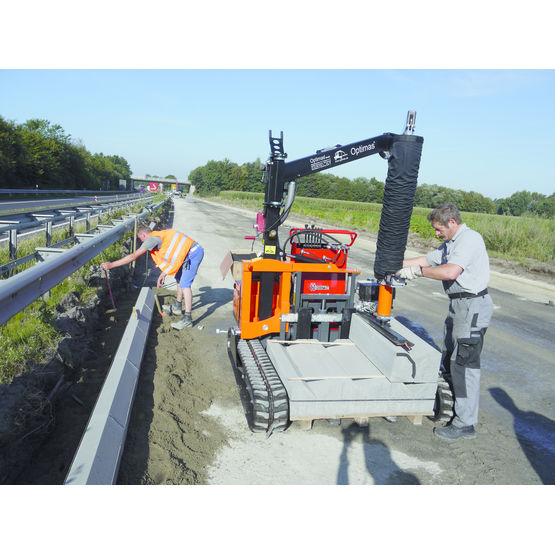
(410, 272)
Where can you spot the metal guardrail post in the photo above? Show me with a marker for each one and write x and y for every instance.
(98, 457)
(81, 237)
(48, 231)
(13, 245)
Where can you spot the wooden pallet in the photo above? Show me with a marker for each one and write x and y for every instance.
(306, 423)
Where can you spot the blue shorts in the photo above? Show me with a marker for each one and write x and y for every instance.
(186, 274)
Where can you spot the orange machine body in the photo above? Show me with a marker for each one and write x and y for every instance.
(246, 294)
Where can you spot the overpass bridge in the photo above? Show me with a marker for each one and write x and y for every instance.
(182, 184)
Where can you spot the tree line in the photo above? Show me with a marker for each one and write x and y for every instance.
(216, 176)
(38, 152)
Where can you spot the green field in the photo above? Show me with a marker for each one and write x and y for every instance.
(525, 240)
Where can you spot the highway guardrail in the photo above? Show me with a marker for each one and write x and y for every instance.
(22, 289)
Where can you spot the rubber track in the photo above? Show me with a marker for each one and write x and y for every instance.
(445, 401)
(270, 404)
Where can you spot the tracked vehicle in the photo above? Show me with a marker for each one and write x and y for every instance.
(312, 341)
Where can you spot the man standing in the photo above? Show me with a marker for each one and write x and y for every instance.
(174, 254)
(462, 264)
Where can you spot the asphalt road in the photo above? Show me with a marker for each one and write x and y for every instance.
(515, 441)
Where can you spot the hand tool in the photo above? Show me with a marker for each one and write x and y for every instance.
(109, 288)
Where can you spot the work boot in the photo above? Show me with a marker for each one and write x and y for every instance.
(174, 308)
(185, 322)
(452, 433)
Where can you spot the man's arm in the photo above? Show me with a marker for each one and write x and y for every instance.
(418, 261)
(125, 260)
(441, 272)
(444, 272)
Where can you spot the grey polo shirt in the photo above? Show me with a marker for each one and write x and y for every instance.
(151, 243)
(467, 250)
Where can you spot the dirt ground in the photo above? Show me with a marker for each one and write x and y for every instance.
(189, 418)
(172, 438)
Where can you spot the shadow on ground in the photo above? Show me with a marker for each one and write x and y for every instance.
(377, 457)
(535, 433)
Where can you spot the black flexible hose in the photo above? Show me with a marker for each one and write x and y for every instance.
(398, 201)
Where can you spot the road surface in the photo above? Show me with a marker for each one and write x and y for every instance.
(189, 426)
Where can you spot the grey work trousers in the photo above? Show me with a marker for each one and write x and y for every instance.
(465, 327)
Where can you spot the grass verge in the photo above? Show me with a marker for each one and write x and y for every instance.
(30, 335)
(522, 239)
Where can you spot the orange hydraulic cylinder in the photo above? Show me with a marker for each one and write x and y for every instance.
(385, 300)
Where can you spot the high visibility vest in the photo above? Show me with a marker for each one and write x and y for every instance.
(175, 247)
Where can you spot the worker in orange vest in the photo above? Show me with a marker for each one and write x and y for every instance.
(175, 254)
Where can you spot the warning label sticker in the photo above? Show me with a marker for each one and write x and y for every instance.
(319, 162)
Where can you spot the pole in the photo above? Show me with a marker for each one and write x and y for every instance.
(109, 288)
(134, 244)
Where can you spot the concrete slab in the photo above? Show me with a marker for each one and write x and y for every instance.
(334, 396)
(419, 365)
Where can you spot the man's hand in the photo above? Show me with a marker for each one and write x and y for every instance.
(410, 272)
(106, 265)
(161, 279)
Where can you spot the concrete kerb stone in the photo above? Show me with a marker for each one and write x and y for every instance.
(98, 457)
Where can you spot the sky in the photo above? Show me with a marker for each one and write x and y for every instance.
(489, 131)
(173, 87)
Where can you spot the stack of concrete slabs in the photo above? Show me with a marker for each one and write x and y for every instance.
(365, 375)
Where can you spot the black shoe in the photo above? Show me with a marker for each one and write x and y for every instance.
(453, 432)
